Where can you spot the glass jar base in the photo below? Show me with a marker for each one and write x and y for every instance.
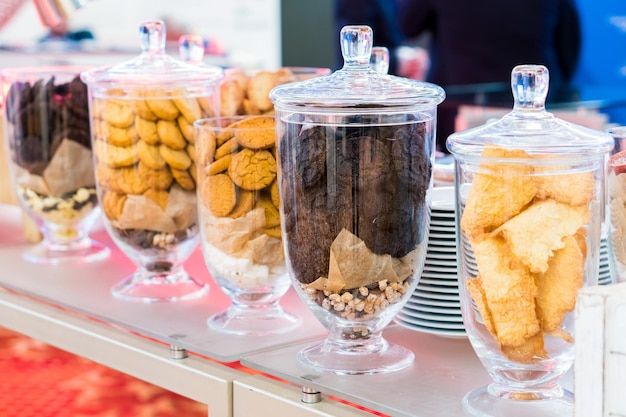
(383, 357)
(159, 287)
(248, 321)
(86, 251)
(482, 403)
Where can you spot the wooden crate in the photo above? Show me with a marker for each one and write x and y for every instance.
(600, 365)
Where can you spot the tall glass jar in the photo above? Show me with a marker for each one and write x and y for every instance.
(355, 155)
(142, 113)
(531, 194)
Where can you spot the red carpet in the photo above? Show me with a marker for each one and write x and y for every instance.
(42, 381)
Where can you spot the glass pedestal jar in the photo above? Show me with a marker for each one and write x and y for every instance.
(355, 155)
(144, 142)
(50, 158)
(530, 192)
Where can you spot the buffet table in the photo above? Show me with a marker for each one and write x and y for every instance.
(171, 346)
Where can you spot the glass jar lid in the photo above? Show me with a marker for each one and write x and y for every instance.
(529, 126)
(153, 67)
(357, 85)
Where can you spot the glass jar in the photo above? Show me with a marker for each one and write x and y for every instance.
(530, 192)
(142, 113)
(355, 155)
(48, 134)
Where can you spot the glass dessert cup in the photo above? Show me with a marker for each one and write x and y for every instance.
(530, 192)
(617, 204)
(142, 114)
(240, 223)
(47, 131)
(355, 153)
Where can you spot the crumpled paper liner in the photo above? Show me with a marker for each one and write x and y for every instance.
(142, 213)
(352, 265)
(70, 168)
(243, 237)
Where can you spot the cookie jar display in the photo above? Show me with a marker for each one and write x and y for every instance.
(530, 191)
(142, 113)
(240, 222)
(47, 130)
(355, 156)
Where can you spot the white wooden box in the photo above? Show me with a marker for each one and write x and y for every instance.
(600, 365)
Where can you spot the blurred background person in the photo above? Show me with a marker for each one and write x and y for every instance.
(474, 42)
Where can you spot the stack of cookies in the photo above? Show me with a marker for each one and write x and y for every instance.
(145, 152)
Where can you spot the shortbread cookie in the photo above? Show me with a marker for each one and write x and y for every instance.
(150, 155)
(219, 165)
(163, 108)
(113, 204)
(116, 156)
(170, 134)
(188, 107)
(159, 179)
(183, 178)
(186, 129)
(147, 130)
(175, 158)
(118, 113)
(245, 203)
(130, 182)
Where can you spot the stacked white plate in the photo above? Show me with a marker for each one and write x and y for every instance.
(434, 306)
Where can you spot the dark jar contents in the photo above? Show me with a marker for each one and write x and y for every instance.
(359, 183)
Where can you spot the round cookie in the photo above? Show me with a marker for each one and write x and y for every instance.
(227, 148)
(175, 158)
(253, 170)
(116, 156)
(158, 101)
(188, 107)
(147, 130)
(219, 165)
(141, 108)
(113, 204)
(118, 113)
(259, 88)
(159, 179)
(206, 146)
(245, 203)
(120, 136)
(184, 179)
(256, 132)
(219, 195)
(150, 155)
(186, 129)
(130, 182)
(170, 134)
(272, 217)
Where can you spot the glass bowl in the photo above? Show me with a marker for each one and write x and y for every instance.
(240, 222)
(47, 130)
